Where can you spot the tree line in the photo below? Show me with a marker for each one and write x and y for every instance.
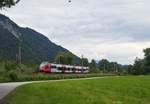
(103, 65)
(141, 66)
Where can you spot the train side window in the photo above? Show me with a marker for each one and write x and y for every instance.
(53, 66)
(69, 69)
(59, 68)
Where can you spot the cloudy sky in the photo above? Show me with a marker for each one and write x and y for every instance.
(114, 29)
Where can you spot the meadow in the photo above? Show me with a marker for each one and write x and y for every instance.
(108, 90)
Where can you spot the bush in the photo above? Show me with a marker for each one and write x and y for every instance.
(13, 76)
(95, 70)
(10, 65)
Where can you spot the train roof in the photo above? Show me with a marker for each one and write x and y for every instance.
(69, 66)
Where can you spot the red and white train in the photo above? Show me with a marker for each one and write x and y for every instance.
(59, 68)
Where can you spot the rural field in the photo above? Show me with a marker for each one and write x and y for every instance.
(108, 90)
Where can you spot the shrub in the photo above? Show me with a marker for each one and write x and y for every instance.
(10, 65)
(13, 76)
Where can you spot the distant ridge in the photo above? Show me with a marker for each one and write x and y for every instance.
(35, 46)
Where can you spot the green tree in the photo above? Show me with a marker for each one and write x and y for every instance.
(84, 62)
(103, 65)
(60, 59)
(65, 58)
(93, 66)
(147, 60)
(138, 67)
(113, 67)
(8, 3)
(130, 69)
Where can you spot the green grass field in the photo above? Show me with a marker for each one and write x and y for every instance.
(109, 90)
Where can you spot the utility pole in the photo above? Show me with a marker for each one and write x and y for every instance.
(19, 52)
(18, 55)
(104, 68)
(82, 62)
(114, 67)
(19, 58)
(59, 59)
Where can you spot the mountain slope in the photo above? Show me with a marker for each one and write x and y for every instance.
(35, 46)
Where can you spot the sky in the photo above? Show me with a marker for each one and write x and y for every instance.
(118, 30)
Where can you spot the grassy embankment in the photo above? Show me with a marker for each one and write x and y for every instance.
(109, 90)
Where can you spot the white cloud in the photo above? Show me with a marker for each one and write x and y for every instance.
(117, 30)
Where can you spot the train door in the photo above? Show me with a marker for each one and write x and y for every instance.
(63, 68)
(74, 69)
